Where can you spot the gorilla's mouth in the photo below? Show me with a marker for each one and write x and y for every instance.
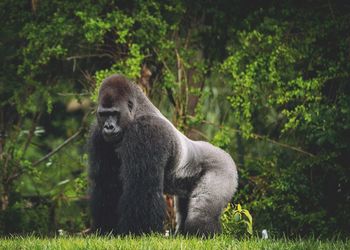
(114, 138)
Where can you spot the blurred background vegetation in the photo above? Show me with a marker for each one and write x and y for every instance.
(268, 81)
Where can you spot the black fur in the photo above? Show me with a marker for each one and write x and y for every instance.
(105, 184)
(128, 175)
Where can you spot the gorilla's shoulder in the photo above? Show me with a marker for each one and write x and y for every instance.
(150, 134)
(152, 126)
(153, 120)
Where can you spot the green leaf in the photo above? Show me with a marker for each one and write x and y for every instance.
(248, 215)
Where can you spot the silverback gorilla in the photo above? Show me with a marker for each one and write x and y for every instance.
(136, 155)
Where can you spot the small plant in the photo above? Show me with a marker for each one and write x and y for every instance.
(236, 220)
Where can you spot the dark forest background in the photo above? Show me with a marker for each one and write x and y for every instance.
(268, 81)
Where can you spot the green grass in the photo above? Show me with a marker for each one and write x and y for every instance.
(159, 242)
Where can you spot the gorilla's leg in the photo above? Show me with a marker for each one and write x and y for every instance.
(206, 203)
(181, 207)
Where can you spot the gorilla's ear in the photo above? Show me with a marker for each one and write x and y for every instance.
(130, 105)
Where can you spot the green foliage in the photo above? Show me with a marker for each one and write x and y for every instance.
(95, 27)
(24, 216)
(236, 221)
(222, 138)
(262, 71)
(280, 81)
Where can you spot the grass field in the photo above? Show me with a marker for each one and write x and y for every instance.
(159, 242)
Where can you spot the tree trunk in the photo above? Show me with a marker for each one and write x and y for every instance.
(4, 197)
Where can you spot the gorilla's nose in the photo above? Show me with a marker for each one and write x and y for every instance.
(110, 130)
(109, 126)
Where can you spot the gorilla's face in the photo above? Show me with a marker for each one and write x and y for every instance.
(114, 120)
(115, 108)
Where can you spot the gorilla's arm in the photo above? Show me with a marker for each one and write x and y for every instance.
(145, 154)
(105, 185)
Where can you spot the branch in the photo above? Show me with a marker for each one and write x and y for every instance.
(263, 137)
(31, 132)
(199, 133)
(162, 60)
(73, 94)
(70, 139)
(88, 56)
(331, 10)
(66, 142)
(169, 91)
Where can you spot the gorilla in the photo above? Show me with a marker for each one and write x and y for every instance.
(136, 155)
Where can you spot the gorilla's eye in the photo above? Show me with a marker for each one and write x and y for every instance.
(130, 105)
(103, 114)
(106, 114)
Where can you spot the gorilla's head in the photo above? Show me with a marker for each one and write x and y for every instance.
(115, 108)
